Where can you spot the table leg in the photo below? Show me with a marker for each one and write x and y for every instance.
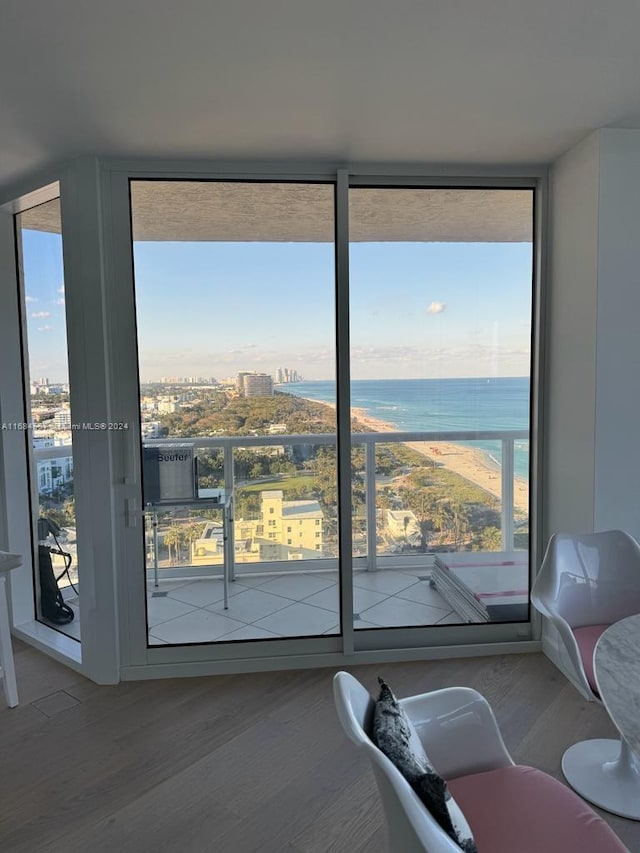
(607, 773)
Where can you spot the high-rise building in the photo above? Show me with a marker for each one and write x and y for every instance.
(284, 375)
(240, 382)
(258, 385)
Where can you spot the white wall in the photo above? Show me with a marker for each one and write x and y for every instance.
(571, 337)
(617, 458)
(592, 416)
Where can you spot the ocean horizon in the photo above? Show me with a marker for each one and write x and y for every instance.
(439, 405)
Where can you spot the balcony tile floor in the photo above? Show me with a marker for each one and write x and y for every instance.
(288, 605)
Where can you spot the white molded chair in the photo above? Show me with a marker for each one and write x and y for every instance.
(586, 583)
(461, 736)
(510, 808)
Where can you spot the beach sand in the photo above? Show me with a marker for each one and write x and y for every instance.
(468, 462)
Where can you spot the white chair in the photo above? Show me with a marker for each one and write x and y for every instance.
(501, 801)
(586, 583)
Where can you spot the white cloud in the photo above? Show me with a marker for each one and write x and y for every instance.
(41, 314)
(45, 328)
(61, 288)
(436, 308)
(59, 301)
(30, 299)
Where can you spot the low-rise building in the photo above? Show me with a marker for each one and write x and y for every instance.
(401, 523)
(285, 530)
(55, 471)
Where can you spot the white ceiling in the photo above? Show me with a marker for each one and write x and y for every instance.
(422, 81)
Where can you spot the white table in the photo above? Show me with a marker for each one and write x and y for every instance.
(7, 563)
(607, 772)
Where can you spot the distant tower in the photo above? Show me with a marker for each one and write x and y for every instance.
(258, 385)
(240, 382)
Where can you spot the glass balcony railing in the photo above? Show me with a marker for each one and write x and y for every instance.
(426, 506)
(459, 492)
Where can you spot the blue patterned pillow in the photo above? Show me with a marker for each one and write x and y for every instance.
(394, 735)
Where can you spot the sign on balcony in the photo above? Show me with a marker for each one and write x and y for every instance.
(169, 473)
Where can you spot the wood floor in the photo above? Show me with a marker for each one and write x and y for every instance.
(237, 764)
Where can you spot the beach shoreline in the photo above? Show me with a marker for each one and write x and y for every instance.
(468, 462)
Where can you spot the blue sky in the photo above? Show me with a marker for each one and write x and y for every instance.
(44, 306)
(417, 309)
(211, 309)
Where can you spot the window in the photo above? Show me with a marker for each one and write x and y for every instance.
(46, 378)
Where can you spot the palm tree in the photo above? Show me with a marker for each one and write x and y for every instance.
(491, 539)
(424, 506)
(383, 499)
(456, 521)
(173, 538)
(192, 531)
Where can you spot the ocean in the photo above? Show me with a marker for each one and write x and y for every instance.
(440, 404)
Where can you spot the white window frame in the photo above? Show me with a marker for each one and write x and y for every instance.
(98, 276)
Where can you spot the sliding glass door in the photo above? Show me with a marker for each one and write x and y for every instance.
(261, 306)
(441, 330)
(235, 312)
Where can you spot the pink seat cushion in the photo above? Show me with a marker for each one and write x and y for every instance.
(523, 810)
(586, 638)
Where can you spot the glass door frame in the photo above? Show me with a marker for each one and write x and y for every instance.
(364, 645)
(97, 656)
(98, 266)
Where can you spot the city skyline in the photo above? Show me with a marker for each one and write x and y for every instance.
(418, 310)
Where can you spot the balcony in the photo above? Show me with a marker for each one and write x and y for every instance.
(297, 594)
(282, 590)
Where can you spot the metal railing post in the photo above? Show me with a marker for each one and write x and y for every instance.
(370, 486)
(507, 494)
(228, 489)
